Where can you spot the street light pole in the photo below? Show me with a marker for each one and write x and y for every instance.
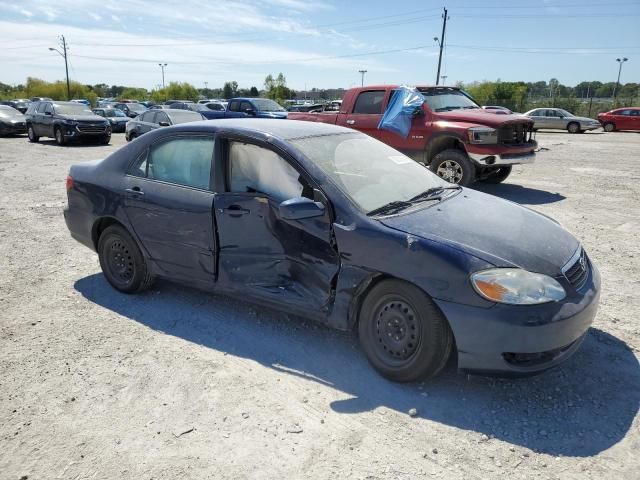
(443, 77)
(162, 65)
(66, 63)
(362, 72)
(617, 87)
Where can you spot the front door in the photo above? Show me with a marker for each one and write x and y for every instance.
(289, 262)
(367, 112)
(169, 203)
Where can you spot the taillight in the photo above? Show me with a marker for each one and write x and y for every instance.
(69, 182)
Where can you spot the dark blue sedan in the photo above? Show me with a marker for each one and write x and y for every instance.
(331, 224)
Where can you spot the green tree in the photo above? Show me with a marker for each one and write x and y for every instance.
(227, 90)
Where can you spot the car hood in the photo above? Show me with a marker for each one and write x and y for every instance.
(481, 117)
(498, 231)
(83, 118)
(583, 119)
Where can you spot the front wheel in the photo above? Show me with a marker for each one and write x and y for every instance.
(59, 136)
(105, 140)
(454, 166)
(498, 175)
(609, 127)
(31, 133)
(122, 262)
(404, 335)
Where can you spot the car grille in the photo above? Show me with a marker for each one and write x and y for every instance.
(578, 271)
(515, 133)
(90, 128)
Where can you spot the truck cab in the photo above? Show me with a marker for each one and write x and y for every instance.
(450, 133)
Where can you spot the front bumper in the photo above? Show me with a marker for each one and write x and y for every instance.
(73, 131)
(522, 340)
(590, 126)
(497, 155)
(13, 128)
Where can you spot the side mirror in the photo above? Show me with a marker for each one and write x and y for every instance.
(300, 208)
(249, 111)
(48, 113)
(418, 112)
(164, 124)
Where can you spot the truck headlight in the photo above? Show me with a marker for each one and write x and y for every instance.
(516, 286)
(70, 123)
(482, 135)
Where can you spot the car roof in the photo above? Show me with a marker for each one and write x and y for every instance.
(280, 128)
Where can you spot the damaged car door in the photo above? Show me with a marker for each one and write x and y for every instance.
(273, 256)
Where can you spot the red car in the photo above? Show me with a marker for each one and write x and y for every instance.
(627, 118)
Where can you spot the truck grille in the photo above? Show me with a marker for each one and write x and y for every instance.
(578, 271)
(515, 133)
(90, 128)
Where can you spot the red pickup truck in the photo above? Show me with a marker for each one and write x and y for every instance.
(450, 133)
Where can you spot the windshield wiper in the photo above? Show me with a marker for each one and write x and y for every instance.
(391, 207)
(434, 193)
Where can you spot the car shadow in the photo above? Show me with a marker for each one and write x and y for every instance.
(580, 409)
(518, 193)
(80, 143)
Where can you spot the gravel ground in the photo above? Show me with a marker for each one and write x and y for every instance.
(180, 384)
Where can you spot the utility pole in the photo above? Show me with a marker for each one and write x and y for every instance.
(362, 72)
(162, 65)
(617, 87)
(63, 54)
(444, 28)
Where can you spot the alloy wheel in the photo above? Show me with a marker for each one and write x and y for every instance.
(450, 170)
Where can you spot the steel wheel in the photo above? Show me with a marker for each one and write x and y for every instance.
(120, 261)
(396, 330)
(573, 127)
(450, 170)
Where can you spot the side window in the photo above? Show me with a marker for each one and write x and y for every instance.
(626, 113)
(41, 107)
(185, 161)
(139, 168)
(48, 108)
(99, 112)
(234, 106)
(245, 105)
(160, 117)
(258, 170)
(635, 113)
(369, 102)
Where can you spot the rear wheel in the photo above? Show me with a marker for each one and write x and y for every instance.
(609, 127)
(498, 175)
(122, 262)
(31, 133)
(59, 136)
(573, 127)
(132, 136)
(402, 332)
(454, 166)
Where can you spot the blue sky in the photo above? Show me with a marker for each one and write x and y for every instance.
(319, 43)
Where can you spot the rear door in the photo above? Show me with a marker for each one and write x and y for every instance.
(624, 120)
(169, 203)
(38, 118)
(291, 262)
(367, 112)
(634, 120)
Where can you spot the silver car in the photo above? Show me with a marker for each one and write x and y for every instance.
(152, 119)
(559, 119)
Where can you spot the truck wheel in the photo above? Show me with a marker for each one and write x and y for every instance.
(498, 175)
(403, 334)
(573, 127)
(609, 127)
(454, 166)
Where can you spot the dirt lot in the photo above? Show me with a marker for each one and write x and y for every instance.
(177, 383)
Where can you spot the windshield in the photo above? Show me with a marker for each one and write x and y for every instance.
(185, 116)
(266, 105)
(8, 112)
(369, 172)
(73, 109)
(443, 99)
(136, 107)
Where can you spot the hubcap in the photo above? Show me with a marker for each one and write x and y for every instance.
(120, 262)
(450, 170)
(396, 330)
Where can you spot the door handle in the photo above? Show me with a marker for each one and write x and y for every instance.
(134, 191)
(351, 122)
(235, 211)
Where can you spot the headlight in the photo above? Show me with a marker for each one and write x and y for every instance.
(516, 286)
(482, 135)
(70, 123)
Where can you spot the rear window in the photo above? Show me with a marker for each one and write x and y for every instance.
(369, 102)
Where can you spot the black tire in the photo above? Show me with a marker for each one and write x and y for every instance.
(573, 127)
(499, 175)
(31, 133)
(131, 136)
(122, 262)
(454, 166)
(403, 334)
(105, 140)
(609, 127)
(59, 136)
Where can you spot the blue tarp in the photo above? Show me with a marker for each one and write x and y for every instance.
(399, 113)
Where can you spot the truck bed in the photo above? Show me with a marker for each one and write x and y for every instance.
(323, 117)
